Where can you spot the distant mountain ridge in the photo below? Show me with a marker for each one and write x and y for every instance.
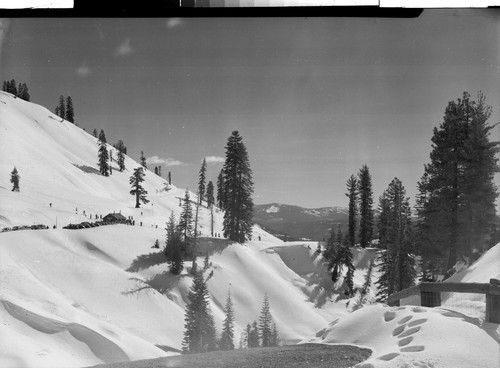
(290, 222)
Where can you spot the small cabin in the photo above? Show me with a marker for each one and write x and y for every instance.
(115, 218)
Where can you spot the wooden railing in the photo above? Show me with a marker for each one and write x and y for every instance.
(430, 295)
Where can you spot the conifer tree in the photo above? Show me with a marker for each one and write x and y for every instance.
(275, 336)
(120, 147)
(70, 113)
(156, 170)
(383, 220)
(23, 92)
(169, 178)
(185, 225)
(61, 108)
(238, 190)
(352, 194)
(253, 336)
(220, 190)
(140, 193)
(201, 181)
(210, 194)
(143, 160)
(330, 249)
(456, 200)
(227, 336)
(396, 263)
(94, 133)
(347, 260)
(366, 287)
(173, 247)
(265, 323)
(365, 207)
(14, 179)
(199, 328)
(103, 155)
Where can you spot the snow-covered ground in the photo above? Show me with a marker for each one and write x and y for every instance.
(413, 336)
(71, 298)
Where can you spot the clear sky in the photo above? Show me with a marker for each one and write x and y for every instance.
(313, 98)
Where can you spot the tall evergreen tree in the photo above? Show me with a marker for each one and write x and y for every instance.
(185, 225)
(61, 108)
(383, 220)
(238, 190)
(220, 190)
(169, 178)
(347, 260)
(275, 336)
(210, 194)
(199, 328)
(253, 336)
(174, 247)
(227, 336)
(365, 206)
(456, 200)
(140, 193)
(103, 156)
(14, 179)
(265, 323)
(396, 263)
(143, 160)
(120, 147)
(70, 113)
(352, 194)
(201, 181)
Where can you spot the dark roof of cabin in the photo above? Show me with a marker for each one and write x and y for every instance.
(116, 216)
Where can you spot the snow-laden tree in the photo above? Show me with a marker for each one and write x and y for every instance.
(137, 189)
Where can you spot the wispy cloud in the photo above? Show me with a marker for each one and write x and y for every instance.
(214, 159)
(125, 48)
(83, 71)
(155, 160)
(174, 22)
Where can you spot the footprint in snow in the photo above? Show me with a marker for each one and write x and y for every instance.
(388, 357)
(404, 320)
(409, 332)
(389, 316)
(417, 322)
(405, 341)
(412, 349)
(398, 330)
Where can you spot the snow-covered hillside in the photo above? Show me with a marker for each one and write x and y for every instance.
(82, 297)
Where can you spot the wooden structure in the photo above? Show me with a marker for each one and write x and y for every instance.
(430, 295)
(114, 218)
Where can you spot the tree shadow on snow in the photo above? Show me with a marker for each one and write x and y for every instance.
(146, 261)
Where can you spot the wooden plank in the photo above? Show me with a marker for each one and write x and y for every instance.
(414, 290)
(455, 287)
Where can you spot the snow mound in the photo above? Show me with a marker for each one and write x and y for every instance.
(416, 337)
(485, 268)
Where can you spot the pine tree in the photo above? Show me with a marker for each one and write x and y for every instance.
(253, 336)
(201, 181)
(94, 133)
(210, 194)
(199, 328)
(174, 247)
(169, 178)
(23, 92)
(120, 147)
(14, 179)
(275, 336)
(156, 170)
(11, 87)
(227, 336)
(185, 225)
(140, 193)
(456, 199)
(330, 249)
(383, 220)
(70, 113)
(352, 194)
(103, 155)
(61, 110)
(396, 263)
(238, 190)
(265, 323)
(220, 190)
(347, 260)
(365, 207)
(143, 160)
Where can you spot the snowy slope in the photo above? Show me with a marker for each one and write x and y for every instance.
(82, 297)
(409, 336)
